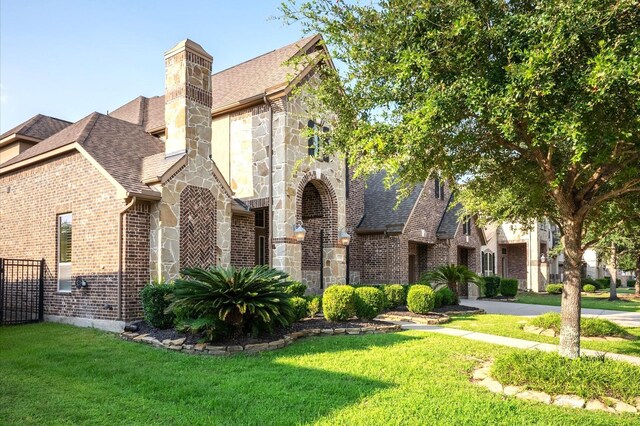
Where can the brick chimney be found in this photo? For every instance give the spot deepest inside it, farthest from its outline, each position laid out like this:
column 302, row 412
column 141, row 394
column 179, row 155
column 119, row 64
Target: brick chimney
column 187, row 100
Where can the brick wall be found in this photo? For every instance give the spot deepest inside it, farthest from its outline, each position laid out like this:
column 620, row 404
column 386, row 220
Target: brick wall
column 135, row 262
column 31, row 199
column 197, row 227
column 243, row 248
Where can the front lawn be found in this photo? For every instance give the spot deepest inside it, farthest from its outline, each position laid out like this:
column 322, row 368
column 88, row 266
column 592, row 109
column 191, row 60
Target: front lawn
column 592, row 301
column 511, row 326
column 56, row 374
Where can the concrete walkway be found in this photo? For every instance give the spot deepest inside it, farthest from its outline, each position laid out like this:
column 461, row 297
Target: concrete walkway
column 509, row 341
column 625, row 319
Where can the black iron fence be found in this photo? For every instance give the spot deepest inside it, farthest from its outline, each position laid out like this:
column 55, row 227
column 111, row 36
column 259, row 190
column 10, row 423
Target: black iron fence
column 21, row 291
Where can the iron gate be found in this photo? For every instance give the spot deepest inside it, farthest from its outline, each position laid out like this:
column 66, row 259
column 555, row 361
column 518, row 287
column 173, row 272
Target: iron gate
column 21, row 291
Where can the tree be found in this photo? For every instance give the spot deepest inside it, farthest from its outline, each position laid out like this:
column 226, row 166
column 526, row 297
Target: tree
column 530, row 108
column 453, row 276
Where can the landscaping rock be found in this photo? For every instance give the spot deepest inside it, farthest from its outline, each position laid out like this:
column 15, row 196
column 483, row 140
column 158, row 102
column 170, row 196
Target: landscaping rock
column 353, row 331
column 572, row 401
column 623, row 407
column 200, row 346
column 216, row 348
column 140, row 337
column 548, row 332
column 492, row 385
column 234, row 349
column 175, row 348
column 340, row 331
column 595, row 405
column 277, row 344
column 256, row 347
column 533, row 329
column 328, row 331
column 535, row 396
column 637, row 401
column 177, row 342
column 512, row 390
column 481, row 373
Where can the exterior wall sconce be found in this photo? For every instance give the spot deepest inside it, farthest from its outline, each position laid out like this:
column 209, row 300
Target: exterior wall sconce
column 543, row 258
column 299, row 232
column 344, row 238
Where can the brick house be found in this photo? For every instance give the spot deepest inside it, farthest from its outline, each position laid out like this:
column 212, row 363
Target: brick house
column 217, row 171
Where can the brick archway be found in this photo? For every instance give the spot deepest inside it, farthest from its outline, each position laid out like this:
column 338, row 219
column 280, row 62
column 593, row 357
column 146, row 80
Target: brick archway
column 197, row 228
column 317, row 212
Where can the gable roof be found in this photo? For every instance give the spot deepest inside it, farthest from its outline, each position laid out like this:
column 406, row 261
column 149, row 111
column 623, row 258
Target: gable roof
column 247, row 81
column 37, row 127
column 380, row 213
column 449, row 221
column 109, row 142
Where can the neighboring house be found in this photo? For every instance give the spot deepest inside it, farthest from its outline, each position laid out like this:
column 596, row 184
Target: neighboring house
column 515, row 251
column 595, row 267
column 218, row 171
column 27, row 134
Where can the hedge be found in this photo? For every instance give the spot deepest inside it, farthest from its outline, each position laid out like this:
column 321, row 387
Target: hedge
column 492, row 286
column 508, row 287
column 369, row 302
column 338, row 303
column 555, row 288
column 155, row 304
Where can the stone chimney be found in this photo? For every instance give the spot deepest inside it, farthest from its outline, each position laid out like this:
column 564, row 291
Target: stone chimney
column 187, row 100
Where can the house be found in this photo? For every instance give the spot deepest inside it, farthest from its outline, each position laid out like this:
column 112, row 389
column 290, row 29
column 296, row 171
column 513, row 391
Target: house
column 522, row 252
column 217, row 171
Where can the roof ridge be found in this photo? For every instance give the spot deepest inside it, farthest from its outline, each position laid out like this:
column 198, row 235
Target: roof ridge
column 30, row 123
column 86, row 131
column 265, row 54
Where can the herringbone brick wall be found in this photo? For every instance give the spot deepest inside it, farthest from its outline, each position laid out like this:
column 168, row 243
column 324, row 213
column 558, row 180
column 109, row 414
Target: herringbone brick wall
column 197, row 228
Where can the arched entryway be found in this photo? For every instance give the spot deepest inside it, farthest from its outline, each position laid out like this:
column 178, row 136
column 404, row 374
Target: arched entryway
column 317, row 213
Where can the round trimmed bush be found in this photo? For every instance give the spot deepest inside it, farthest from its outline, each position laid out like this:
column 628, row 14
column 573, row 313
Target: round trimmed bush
column 420, row 299
column 338, row 303
column 155, row 303
column 369, row 302
column 593, row 282
column 589, row 288
column 556, row 288
column 299, row 306
column 491, row 286
column 447, row 296
column 395, row 295
column 508, row 287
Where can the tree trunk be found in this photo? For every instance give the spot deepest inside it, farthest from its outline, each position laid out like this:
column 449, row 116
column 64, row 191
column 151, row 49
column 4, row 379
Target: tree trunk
column 638, row 276
column 613, row 271
column 570, row 305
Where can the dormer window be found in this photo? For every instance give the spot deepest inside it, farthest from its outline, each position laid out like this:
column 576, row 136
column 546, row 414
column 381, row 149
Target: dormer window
column 466, row 226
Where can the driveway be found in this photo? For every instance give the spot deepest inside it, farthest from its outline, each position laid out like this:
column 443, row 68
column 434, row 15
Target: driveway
column 625, row 319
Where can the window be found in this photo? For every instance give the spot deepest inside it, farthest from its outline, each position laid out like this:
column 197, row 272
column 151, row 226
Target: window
column 314, row 142
column 488, row 263
column 439, row 189
column 259, row 218
column 466, row 226
column 261, row 250
column 64, row 252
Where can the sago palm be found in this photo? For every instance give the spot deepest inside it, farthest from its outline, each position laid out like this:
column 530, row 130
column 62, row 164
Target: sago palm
column 453, row 276
column 246, row 299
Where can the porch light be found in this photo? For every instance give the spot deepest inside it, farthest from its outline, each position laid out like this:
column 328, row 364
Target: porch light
column 344, row 238
column 299, row 233
column 543, row 258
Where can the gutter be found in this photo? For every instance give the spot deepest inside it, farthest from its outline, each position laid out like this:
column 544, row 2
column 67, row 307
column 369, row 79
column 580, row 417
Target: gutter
column 120, row 217
column 270, row 133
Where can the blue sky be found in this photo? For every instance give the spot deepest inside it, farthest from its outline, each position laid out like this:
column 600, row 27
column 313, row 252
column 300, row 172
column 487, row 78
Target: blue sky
column 68, row 58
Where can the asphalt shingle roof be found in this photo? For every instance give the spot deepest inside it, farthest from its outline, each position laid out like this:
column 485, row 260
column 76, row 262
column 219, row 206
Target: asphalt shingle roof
column 39, row 126
column 449, row 222
column 380, row 213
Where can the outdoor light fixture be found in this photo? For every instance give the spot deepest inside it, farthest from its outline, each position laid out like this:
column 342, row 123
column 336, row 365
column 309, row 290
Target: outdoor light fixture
column 299, row 233
column 543, row 258
column 344, row 238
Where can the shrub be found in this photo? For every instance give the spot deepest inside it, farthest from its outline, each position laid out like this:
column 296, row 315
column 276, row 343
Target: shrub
column 338, row 303
column 296, row 288
column 369, row 302
column 603, row 283
column 437, row 299
column 155, row 304
column 299, row 306
column 314, row 305
column 589, row 327
column 555, row 288
column 491, row 286
column 591, row 281
column 395, row 295
column 588, row 377
column 618, row 282
column 631, row 283
column 448, row 296
column 589, row 288
column 454, row 276
column 420, row 299
column 508, row 287
column 242, row 300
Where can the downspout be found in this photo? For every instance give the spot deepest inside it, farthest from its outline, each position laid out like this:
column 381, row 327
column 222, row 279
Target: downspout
column 270, row 135
column 120, row 221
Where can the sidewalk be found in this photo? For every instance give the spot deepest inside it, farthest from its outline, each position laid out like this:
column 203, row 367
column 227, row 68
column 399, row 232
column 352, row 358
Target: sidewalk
column 509, row 341
column 625, row 319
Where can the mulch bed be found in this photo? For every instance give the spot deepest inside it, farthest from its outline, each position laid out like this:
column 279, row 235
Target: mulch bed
column 457, row 309
column 305, row 324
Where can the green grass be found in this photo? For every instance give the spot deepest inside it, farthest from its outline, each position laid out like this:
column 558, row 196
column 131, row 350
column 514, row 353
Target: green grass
column 511, row 326
column 588, row 377
column 56, row 374
column 589, row 327
column 591, row 301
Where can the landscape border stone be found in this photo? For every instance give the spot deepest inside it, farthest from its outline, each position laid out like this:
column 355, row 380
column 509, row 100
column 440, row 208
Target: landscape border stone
column 286, row 340
column 443, row 318
column 481, row 377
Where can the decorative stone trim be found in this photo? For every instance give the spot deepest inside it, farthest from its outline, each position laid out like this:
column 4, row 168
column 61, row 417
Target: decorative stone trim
column 442, row 318
column 476, row 312
column 481, row 377
column 206, row 349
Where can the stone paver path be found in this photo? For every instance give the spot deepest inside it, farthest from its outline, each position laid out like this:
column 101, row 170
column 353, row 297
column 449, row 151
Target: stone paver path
column 509, row 341
column 625, row 319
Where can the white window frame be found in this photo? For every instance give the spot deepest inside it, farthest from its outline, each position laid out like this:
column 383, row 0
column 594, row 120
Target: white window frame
column 65, row 269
